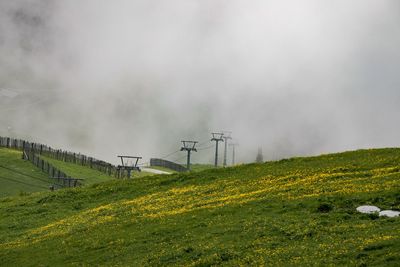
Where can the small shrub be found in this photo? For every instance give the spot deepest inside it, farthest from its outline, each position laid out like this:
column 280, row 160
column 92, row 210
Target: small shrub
column 226, row 256
column 77, row 205
column 188, row 249
column 376, row 247
column 373, row 216
column 325, row 207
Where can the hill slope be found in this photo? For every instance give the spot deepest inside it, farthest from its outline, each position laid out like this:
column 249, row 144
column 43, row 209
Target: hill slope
column 18, row 176
column 299, row 211
column 89, row 175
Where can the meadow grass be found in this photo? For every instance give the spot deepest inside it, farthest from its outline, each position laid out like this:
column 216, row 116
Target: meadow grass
column 18, row 176
column 201, row 167
column 197, row 167
column 299, row 211
column 162, row 169
column 90, row 175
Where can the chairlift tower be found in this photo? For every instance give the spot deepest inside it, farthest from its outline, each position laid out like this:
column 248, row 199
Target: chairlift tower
column 217, row 137
column 233, row 152
column 188, row 146
column 226, row 137
column 129, row 163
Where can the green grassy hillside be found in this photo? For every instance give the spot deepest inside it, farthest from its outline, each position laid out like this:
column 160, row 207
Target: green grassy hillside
column 194, row 168
column 298, row 211
column 18, row 176
column 89, row 175
column 201, row 167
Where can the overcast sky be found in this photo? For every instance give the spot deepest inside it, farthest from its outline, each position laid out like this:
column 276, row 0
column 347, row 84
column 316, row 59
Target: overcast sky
column 136, row 77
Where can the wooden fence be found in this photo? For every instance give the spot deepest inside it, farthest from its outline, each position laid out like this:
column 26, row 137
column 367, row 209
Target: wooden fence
column 66, row 156
column 43, row 165
column 60, row 177
column 32, row 152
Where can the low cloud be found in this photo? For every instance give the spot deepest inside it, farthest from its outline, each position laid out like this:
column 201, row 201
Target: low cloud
column 136, row 77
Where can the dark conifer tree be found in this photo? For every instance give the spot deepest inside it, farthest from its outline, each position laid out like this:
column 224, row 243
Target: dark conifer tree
column 259, row 158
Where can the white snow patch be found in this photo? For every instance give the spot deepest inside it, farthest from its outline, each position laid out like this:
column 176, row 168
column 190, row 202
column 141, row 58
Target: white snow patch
column 389, row 213
column 368, row 209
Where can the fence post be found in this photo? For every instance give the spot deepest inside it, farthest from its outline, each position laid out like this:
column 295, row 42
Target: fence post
column 23, row 150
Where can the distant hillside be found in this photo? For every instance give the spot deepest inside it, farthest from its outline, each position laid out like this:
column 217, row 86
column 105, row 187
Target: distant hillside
column 18, row 176
column 89, row 175
column 299, row 211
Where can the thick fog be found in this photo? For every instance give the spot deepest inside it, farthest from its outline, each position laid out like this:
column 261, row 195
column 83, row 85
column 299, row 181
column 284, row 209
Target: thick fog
column 136, row 77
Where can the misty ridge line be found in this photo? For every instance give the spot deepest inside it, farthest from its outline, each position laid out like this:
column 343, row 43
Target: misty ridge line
column 135, row 77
